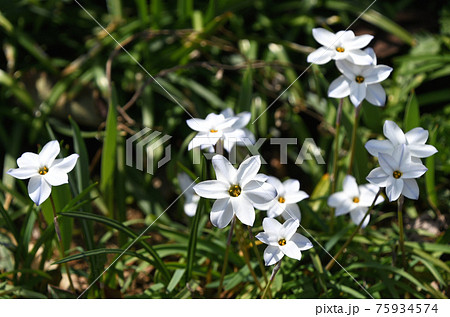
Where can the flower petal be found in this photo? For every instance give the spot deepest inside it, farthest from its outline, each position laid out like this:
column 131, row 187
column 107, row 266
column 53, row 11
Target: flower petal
column 339, row 88
column 320, row 56
column 272, row 255
column 221, row 213
column 197, row 124
column 55, row 178
column 376, row 95
column 275, row 210
column 291, row 250
column 23, row 173
column 337, row 199
column 412, row 170
column 212, row 189
column 359, row 57
column 388, row 163
column 289, row 228
column 421, row 150
column 379, row 146
column 378, row 177
column 350, row 186
column 243, row 120
column 323, row 36
column 357, row 93
column 410, row 189
column 372, row 54
column 259, row 193
column 291, row 185
column 225, row 172
column 190, row 207
column 248, row 170
column 357, row 216
column 301, row 242
column 28, row 159
column 267, row 238
column 65, row 165
column 348, row 69
column 275, row 182
column 367, row 195
column 417, row 136
column 377, row 74
column 344, row 208
column 244, row 210
column 48, row 153
column 392, row 131
column 38, row 189
column 394, row 188
column 359, row 42
column 272, row 226
column 291, row 211
column 291, row 198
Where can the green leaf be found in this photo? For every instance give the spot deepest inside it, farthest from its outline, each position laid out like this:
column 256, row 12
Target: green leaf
column 412, row 114
column 176, row 278
column 102, row 251
column 192, row 244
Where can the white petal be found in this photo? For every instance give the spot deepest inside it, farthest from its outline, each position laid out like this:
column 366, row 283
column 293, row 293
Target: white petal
column 412, row 170
column 377, row 74
column 190, row 208
column 371, row 53
column 323, row 36
column 259, row 193
column 244, row 119
column 348, row 69
column 244, row 210
column 291, row 185
column 225, row 172
column 267, row 238
column 275, row 182
column 221, row 213
column 212, row 189
column 291, row 211
column 359, row 42
column 272, row 226
column 248, row 170
column 337, row 199
column 358, row 214
column 227, row 123
column 378, row 177
column 394, row 188
column 272, row 255
column 387, row 163
column 65, row 165
column 357, row 93
column 29, row 159
column 275, row 210
column 344, row 208
column 392, row 131
column 38, row 190
column 186, row 183
column 55, row 178
column 421, row 150
column 289, row 228
column 227, row 113
column 301, row 242
column 410, row 189
column 359, row 57
column 367, row 195
column 320, row 56
column 48, row 153
column 415, row 136
column 379, row 146
column 350, row 186
column 291, row 198
column 376, row 95
column 23, row 173
column 339, row 88
column 197, row 124
column 291, row 250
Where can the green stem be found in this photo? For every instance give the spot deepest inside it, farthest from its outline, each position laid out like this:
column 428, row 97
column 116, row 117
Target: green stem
column 400, row 202
column 333, row 260
column 272, row 277
column 335, row 157
column 352, row 147
column 225, row 259
column 258, row 255
column 61, row 245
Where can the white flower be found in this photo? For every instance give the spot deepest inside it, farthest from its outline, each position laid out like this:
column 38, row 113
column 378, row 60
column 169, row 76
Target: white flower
column 360, row 82
column 282, row 240
column 285, row 204
column 224, row 126
column 191, row 198
column 236, row 191
column 414, row 140
column 43, row 170
column 340, row 46
column 355, row 200
column 397, row 173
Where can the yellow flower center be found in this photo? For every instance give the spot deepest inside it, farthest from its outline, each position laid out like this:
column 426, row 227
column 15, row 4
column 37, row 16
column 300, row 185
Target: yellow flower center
column 43, row 170
column 282, row 242
column 397, row 174
column 281, row 200
column 356, row 200
column 340, row 49
column 234, row 191
column 359, row 79
column 213, row 131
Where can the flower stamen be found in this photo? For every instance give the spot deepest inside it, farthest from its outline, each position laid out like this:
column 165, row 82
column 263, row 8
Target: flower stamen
column 356, row 200
column 234, row 191
column 43, row 170
column 340, row 49
column 281, row 200
column 359, row 79
column 397, row 174
column 213, row 130
column 282, row 242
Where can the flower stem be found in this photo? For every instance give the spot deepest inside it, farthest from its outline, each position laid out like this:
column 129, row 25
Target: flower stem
column 257, row 254
column 225, row 258
column 335, row 157
column 61, row 246
column 272, row 277
column 400, row 202
column 352, row 147
column 333, row 260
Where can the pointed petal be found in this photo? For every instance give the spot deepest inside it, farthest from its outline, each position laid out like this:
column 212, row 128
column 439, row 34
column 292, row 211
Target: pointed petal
column 392, row 131
column 410, row 189
column 38, row 190
column 344, row 208
column 212, row 189
column 357, row 216
column 359, row 42
column 259, row 193
column 289, row 228
column 267, row 238
column 291, row 198
column 357, row 93
column 291, row 211
column 225, row 172
column 248, row 170
column 301, row 242
column 197, row 124
column 320, row 56
column 65, row 165
column 421, row 150
column 272, row 226
column 377, row 74
column 48, row 153
column 376, row 95
column 275, row 210
column 221, row 213
column 359, row 57
column 350, row 186
column 243, row 120
column 323, row 36
column 339, row 88
column 417, row 136
column 291, row 250
column 28, row 159
column 190, row 208
column 387, row 163
column 23, row 173
column 275, row 182
column 291, row 185
column 244, row 210
column 55, row 178
column 349, row 70
column 367, row 195
column 378, row 177
column 337, row 199
column 394, row 188
column 372, row 54
column 272, row 255
column 345, row 36
column 412, row 170
column 379, row 146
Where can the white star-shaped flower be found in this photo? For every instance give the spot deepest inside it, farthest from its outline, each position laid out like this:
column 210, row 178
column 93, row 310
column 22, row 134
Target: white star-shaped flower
column 397, row 173
column 414, row 140
column 355, row 200
column 224, row 126
column 236, row 190
column 360, row 82
column 191, row 198
column 285, row 204
column 282, row 239
column 343, row 45
column 43, row 170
